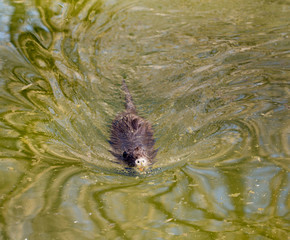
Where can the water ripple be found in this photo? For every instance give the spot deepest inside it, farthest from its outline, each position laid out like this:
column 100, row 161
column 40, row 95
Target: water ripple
column 211, row 77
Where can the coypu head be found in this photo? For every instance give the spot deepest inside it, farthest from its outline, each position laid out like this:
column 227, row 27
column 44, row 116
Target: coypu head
column 136, row 158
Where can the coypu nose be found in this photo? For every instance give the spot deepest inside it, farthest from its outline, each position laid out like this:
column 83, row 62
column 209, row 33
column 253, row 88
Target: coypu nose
column 141, row 163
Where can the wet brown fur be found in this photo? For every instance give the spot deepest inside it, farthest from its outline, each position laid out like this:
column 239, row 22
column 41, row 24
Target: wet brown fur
column 131, row 135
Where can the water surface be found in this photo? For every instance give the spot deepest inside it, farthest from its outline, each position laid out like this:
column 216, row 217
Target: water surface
column 211, row 76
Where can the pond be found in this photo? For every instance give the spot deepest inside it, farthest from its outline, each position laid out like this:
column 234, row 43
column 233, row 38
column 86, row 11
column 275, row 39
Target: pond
column 212, row 77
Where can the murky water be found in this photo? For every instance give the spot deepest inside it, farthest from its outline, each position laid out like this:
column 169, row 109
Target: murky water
column 213, row 78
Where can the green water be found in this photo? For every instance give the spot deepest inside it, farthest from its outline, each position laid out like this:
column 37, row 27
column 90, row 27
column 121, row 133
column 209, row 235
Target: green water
column 212, row 76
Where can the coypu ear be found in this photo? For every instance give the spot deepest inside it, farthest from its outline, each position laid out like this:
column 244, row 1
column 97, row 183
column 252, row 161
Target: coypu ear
column 125, row 154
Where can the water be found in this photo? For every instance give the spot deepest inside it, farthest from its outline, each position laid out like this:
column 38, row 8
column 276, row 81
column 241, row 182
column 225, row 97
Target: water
column 211, row 76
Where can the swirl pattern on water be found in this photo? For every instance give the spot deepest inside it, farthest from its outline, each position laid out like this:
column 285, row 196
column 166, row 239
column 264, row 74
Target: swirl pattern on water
column 212, row 77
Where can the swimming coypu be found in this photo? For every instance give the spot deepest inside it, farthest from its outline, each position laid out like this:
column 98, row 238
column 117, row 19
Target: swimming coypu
column 132, row 137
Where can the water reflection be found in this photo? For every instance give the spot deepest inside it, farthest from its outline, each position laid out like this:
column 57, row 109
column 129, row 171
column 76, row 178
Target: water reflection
column 212, row 77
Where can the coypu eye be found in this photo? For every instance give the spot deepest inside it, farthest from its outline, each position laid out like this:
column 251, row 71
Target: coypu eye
column 138, row 161
column 125, row 154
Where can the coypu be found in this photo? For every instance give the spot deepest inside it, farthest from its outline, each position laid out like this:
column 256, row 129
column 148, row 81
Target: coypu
column 132, row 138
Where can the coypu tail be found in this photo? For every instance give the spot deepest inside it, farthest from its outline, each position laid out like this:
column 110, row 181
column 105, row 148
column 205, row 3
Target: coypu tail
column 130, row 107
